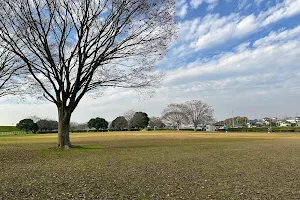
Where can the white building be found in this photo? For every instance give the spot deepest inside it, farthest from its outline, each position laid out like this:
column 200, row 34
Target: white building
column 210, row 128
column 284, row 124
column 292, row 121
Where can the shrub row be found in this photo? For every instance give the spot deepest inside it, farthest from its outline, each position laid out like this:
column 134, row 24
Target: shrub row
column 257, row 129
column 265, row 129
column 83, row 130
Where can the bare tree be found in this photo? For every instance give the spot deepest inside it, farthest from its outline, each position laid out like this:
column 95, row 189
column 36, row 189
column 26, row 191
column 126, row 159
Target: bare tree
column 74, row 126
column 156, row 121
column 74, row 47
column 174, row 116
column 8, row 68
column 34, row 118
column 198, row 113
column 129, row 116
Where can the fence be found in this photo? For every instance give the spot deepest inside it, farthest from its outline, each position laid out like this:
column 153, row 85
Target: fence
column 13, row 133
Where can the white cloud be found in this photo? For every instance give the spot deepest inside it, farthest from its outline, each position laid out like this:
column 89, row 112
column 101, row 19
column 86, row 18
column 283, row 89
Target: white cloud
column 196, row 3
column 242, row 47
column 246, row 26
column 211, row 3
column 262, row 58
column 13, row 113
column 214, row 30
column 243, row 4
column 279, row 37
column 182, row 11
column 284, row 10
column 276, row 58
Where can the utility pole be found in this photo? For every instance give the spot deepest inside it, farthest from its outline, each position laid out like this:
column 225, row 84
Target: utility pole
column 232, row 120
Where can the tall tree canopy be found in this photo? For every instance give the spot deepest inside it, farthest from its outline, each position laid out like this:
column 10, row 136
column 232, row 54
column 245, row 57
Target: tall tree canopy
column 120, row 123
column 28, row 125
column 72, row 47
column 47, row 124
column 98, row 123
column 140, row 120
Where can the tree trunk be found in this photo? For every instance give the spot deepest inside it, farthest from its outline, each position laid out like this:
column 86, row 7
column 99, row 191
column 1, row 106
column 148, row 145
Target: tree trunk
column 64, row 128
column 195, row 128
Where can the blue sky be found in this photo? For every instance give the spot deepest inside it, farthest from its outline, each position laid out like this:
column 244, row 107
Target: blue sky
column 240, row 56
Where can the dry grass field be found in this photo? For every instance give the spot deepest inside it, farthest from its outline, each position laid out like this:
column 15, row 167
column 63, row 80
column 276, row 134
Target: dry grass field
column 151, row 165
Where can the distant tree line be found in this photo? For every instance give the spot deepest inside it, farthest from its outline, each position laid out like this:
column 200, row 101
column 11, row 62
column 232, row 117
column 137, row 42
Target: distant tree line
column 195, row 113
column 35, row 124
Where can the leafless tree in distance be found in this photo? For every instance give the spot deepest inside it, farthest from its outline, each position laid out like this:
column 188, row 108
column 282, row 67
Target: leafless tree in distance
column 156, row 121
column 129, row 116
column 34, row 118
column 174, row 116
column 74, row 47
column 198, row 113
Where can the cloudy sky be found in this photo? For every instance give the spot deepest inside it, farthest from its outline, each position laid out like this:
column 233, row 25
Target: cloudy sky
column 242, row 57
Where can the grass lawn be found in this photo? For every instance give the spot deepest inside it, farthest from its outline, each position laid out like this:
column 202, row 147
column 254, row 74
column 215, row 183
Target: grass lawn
column 151, row 165
column 8, row 129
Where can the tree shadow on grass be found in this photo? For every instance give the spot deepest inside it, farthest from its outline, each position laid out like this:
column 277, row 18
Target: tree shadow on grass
column 89, row 147
column 77, row 148
column 73, row 148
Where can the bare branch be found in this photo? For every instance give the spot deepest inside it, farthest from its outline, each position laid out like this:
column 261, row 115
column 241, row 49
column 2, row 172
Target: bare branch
column 9, row 68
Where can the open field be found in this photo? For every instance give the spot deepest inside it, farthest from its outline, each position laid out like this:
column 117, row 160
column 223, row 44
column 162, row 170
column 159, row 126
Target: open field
column 151, row 165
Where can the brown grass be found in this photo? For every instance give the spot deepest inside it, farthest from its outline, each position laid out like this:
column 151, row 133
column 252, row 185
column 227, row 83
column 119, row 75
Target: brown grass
column 151, row 165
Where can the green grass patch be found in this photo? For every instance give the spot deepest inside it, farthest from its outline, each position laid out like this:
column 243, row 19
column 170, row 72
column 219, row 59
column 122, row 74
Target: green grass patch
column 9, row 129
column 152, row 165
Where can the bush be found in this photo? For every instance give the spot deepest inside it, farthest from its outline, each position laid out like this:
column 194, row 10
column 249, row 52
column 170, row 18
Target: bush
column 181, row 129
column 265, row 129
column 133, row 129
